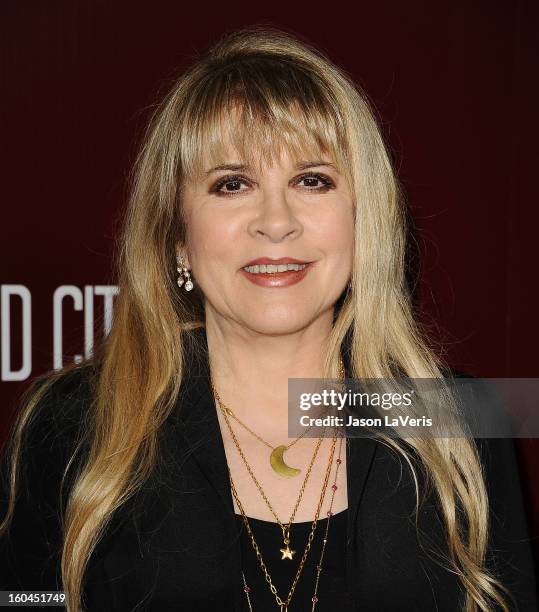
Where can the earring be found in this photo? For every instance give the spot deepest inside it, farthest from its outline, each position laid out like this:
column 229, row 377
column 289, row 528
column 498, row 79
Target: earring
column 185, row 272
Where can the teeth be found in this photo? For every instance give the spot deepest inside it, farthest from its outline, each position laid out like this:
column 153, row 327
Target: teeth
column 271, row 268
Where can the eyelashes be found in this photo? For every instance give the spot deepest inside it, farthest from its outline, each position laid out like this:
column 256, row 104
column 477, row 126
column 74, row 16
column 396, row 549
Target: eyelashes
column 238, row 179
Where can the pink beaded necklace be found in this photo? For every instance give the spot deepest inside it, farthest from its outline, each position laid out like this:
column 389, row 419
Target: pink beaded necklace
column 314, row 599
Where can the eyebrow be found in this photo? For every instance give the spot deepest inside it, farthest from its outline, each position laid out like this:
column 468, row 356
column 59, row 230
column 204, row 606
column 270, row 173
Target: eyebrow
column 304, row 165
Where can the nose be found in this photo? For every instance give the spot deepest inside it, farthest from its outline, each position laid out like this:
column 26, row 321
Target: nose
column 275, row 218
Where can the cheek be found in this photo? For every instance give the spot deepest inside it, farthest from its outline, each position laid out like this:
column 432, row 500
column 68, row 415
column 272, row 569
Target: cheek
column 210, row 239
column 336, row 236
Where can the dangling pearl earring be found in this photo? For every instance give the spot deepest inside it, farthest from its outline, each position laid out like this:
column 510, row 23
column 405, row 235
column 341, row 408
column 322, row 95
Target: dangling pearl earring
column 185, row 272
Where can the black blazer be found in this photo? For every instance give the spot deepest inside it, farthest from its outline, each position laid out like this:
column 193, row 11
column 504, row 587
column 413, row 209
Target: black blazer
column 175, row 545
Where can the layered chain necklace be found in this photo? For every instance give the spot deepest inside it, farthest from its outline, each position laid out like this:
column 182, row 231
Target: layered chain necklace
column 276, row 457
column 283, row 605
column 278, row 465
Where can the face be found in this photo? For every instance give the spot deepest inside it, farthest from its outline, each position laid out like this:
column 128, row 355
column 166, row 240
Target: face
column 270, row 246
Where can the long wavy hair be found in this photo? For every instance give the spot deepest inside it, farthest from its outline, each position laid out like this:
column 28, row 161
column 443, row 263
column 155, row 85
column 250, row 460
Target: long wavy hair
column 288, row 94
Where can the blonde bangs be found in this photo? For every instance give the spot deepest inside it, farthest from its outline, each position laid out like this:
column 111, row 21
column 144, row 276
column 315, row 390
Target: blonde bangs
column 260, row 114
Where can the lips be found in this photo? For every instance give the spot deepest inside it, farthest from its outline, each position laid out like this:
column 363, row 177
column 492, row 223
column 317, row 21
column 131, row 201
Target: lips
column 269, row 260
column 264, row 271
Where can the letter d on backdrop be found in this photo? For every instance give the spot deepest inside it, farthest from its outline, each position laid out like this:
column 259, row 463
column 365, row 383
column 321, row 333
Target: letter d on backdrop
column 26, row 368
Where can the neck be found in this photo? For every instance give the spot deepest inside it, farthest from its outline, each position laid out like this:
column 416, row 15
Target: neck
column 250, row 370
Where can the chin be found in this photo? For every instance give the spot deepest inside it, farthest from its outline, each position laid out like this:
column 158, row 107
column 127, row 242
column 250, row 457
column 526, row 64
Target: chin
column 275, row 325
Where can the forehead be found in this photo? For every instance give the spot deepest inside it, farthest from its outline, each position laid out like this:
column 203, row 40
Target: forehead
column 231, row 159
column 245, row 138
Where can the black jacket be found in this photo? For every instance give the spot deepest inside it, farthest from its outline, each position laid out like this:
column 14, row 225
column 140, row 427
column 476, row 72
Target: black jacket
column 175, row 545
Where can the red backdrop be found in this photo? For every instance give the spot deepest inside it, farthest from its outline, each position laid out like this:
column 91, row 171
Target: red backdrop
column 455, row 86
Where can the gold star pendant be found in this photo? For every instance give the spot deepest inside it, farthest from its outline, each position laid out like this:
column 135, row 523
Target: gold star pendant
column 288, row 553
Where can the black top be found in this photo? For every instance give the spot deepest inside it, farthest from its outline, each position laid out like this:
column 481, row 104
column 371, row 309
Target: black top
column 176, row 545
column 268, row 537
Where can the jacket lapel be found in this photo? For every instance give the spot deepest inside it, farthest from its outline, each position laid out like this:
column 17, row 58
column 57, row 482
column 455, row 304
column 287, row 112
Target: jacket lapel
column 201, row 430
column 359, row 459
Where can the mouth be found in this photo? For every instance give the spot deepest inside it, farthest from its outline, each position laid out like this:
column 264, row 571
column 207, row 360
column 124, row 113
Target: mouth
column 270, row 266
column 266, row 272
column 274, row 268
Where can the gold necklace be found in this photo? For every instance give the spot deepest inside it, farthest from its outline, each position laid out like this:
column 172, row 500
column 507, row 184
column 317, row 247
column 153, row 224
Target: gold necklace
column 319, row 567
column 284, row 604
column 277, row 461
column 287, row 552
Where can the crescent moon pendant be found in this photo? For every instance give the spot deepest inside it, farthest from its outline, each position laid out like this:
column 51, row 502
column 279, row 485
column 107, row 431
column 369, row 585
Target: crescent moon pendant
column 278, row 464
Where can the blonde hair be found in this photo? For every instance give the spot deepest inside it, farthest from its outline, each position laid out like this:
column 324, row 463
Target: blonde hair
column 288, row 95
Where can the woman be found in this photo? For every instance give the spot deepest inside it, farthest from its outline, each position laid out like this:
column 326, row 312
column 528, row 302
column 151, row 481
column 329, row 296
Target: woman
column 264, row 241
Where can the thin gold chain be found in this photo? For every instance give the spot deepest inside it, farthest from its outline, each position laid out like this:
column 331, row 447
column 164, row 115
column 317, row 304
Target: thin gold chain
column 314, row 598
column 273, row 589
column 284, row 526
column 287, row 446
column 247, row 428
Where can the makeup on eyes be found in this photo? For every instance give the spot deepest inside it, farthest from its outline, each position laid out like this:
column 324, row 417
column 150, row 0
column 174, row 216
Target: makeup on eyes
column 327, row 182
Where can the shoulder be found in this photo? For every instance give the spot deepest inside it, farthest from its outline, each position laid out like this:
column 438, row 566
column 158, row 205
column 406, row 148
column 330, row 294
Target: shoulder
column 509, row 554
column 63, row 400
column 45, row 446
column 51, row 430
column 62, row 389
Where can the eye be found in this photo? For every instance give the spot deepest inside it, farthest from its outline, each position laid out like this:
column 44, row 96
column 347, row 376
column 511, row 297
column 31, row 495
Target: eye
column 315, row 182
column 229, row 185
